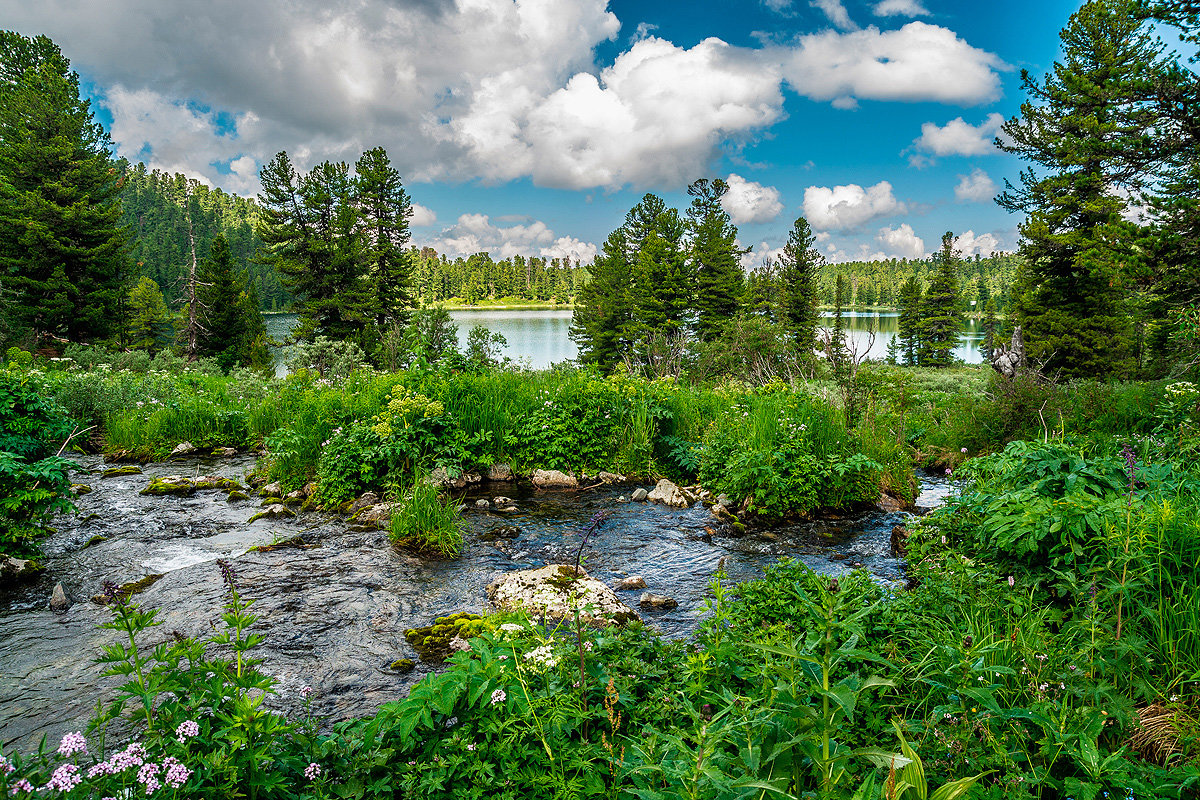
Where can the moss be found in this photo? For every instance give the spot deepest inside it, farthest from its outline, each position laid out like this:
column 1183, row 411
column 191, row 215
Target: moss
column 295, row 542
column 432, row 642
column 114, row 472
column 271, row 513
column 236, row 496
column 403, row 665
column 80, row 489
column 127, row 590
column 163, row 486
column 97, row 539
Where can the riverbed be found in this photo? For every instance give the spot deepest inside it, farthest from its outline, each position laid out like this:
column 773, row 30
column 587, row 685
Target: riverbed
column 333, row 613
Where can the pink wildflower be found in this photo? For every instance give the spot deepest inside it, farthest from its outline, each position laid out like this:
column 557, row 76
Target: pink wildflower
column 186, row 730
column 6, row 765
column 498, row 696
column 312, row 771
column 177, row 773
column 72, row 743
column 306, row 692
column 22, row 786
column 64, row 779
column 471, row 747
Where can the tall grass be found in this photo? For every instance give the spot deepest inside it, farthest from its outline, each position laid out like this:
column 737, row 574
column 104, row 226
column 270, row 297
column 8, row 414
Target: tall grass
column 428, row 521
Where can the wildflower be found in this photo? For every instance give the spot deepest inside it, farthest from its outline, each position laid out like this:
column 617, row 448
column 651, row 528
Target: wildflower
column 498, row 696
column 5, row 765
column 471, row 747
column 22, row 786
column 587, row 646
column 1011, row 581
column 450, row 723
column 147, row 774
column 947, row 470
column 64, row 779
column 312, row 771
column 177, row 773
column 186, row 730
column 963, row 451
column 306, row 692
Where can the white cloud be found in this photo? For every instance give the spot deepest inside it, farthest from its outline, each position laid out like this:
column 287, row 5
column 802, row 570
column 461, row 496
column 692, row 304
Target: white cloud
column 836, row 12
column 778, row 6
column 978, row 187
column 959, row 138
column 918, row 62
column 491, row 90
column 902, row 241
column 756, row 256
column 476, row 233
column 901, row 8
column 750, row 202
column 969, row 243
column 421, row 216
column 846, row 207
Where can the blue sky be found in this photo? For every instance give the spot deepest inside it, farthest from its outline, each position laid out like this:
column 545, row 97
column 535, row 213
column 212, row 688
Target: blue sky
column 533, row 126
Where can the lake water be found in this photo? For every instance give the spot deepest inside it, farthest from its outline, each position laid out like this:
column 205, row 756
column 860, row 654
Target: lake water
column 537, row 339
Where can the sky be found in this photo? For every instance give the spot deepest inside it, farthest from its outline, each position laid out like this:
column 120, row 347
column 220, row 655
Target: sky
column 533, row 126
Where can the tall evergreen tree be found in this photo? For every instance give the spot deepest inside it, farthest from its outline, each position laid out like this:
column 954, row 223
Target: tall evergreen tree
column 716, row 258
column 384, row 207
column 799, row 271
column 1090, row 132
column 909, row 323
column 148, row 322
column 62, row 247
column 942, row 322
column 603, row 313
column 231, row 327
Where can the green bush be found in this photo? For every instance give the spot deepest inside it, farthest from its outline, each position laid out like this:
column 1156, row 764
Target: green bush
column 428, row 521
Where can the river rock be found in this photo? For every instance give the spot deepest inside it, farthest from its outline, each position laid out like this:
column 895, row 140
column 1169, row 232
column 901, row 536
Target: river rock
column 639, row 494
column 472, row 478
column 276, row 511
column 271, row 490
column 899, row 541
column 500, row 473
column 60, row 601
column 723, row 514
column 556, row 591
column 309, row 489
column 216, row 482
column 116, row 472
column 553, row 479
column 888, row 504
column 656, row 602
column 724, row 500
column 183, row 450
column 630, row 583
column 294, row 498
column 365, row 501
column 379, row 514
column 669, row 494
column 236, row 497
column 612, row 478
column 439, row 476
column 170, row 484
column 224, row 452
column 458, row 644
column 16, row 569
column 482, row 503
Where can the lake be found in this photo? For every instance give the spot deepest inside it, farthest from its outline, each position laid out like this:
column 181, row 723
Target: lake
column 537, row 339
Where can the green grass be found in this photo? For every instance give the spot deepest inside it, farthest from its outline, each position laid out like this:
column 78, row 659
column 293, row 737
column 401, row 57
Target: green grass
column 428, row 521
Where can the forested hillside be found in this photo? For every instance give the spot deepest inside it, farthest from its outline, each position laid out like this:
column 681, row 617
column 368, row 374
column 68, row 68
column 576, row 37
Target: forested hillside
column 156, row 207
column 878, row 283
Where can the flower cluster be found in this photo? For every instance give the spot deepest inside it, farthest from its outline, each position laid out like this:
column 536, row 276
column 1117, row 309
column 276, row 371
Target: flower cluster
column 312, row 771
column 499, row 696
column 543, row 656
column 176, row 773
column 72, row 743
column 186, row 730
column 64, row 779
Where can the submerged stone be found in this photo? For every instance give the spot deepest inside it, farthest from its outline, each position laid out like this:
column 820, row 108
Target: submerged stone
column 114, row 472
column 435, row 643
column 126, row 590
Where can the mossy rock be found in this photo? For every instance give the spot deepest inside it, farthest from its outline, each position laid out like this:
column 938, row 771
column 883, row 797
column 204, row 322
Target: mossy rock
column 216, row 482
column 403, row 665
column 236, row 496
column 276, row 511
column 170, row 485
column 116, row 472
column 80, row 489
column 432, row 642
column 127, row 590
column 296, row 542
column 95, row 540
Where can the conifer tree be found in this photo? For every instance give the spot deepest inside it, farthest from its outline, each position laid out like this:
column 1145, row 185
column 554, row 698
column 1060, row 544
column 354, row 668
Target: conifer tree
column 1089, row 130
column 909, row 323
column 148, row 321
column 603, row 314
column 231, row 326
column 941, row 320
column 715, row 256
column 62, row 256
column 799, row 271
column 384, row 207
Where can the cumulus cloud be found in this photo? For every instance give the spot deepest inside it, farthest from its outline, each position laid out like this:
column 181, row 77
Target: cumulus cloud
column 969, row 243
column 476, row 233
column 902, row 242
column 978, row 187
column 421, row 216
column 749, row 201
column 901, row 8
column 918, row 62
column 836, row 12
column 959, row 138
column 755, row 257
column 490, row 90
column 847, row 207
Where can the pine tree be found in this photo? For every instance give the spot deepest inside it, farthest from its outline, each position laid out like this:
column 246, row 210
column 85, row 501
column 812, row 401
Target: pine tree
column 716, row 258
column 148, row 322
column 603, row 314
column 1091, row 135
column 231, row 326
column 384, row 207
column 799, row 271
column 941, row 323
column 909, row 323
column 62, row 247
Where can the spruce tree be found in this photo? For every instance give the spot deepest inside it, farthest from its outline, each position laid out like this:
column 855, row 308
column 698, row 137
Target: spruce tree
column 909, row 323
column 716, row 258
column 148, row 322
column 62, row 247
column 941, row 320
column 799, row 269
column 1089, row 130
column 231, row 327
column 600, row 323
column 384, row 207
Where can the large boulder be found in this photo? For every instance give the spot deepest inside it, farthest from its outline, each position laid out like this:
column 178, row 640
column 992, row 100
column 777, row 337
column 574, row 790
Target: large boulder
column 16, row 569
column 500, row 473
column 669, row 494
column 553, row 479
column 556, row 591
column 440, row 477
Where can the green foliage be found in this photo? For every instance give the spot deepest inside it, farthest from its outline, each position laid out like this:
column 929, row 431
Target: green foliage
column 427, row 521
column 571, row 427
column 149, row 322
